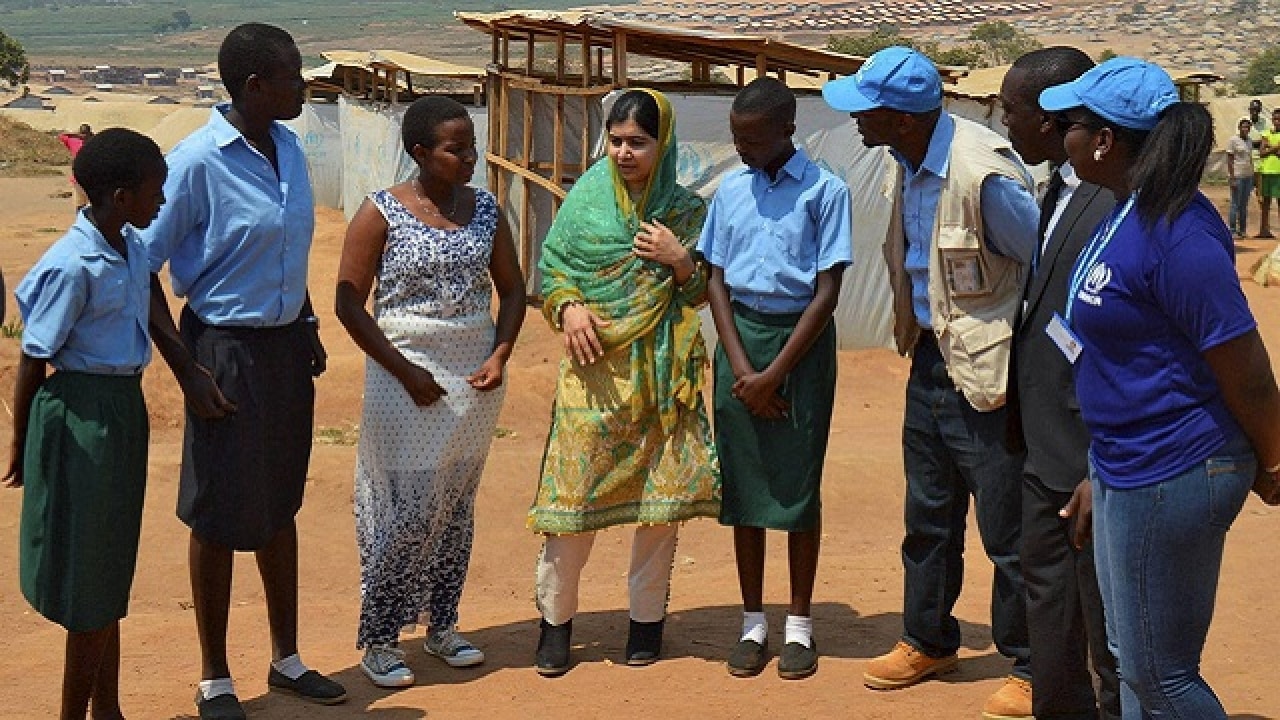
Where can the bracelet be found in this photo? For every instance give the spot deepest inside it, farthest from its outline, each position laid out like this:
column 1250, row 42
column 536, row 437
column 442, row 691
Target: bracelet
column 563, row 306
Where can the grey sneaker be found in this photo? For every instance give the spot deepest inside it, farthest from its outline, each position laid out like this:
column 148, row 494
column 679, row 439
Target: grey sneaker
column 384, row 665
column 452, row 648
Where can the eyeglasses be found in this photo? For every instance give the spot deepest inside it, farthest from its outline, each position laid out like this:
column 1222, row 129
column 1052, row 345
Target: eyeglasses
column 1066, row 124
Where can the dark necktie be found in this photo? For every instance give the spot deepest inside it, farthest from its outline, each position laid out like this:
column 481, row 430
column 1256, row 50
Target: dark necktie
column 1047, row 206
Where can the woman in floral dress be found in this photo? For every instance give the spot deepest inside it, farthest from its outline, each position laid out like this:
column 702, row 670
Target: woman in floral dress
column 433, row 383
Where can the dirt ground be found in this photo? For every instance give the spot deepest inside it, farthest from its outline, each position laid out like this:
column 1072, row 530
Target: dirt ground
column 858, row 599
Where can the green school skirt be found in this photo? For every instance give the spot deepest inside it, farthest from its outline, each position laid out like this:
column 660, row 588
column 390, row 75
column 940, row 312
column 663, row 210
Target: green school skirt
column 84, row 473
column 772, row 469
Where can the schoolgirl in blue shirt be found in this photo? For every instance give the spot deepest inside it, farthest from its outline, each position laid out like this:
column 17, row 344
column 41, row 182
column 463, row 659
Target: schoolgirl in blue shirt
column 778, row 237
column 80, row 435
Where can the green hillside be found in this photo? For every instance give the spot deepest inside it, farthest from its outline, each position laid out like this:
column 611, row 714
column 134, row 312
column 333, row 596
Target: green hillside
column 157, row 31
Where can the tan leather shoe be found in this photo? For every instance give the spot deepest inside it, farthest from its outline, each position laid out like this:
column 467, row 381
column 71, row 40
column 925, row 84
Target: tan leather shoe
column 1011, row 702
column 904, row 666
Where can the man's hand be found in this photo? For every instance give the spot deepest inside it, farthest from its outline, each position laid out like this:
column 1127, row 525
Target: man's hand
column 1079, row 511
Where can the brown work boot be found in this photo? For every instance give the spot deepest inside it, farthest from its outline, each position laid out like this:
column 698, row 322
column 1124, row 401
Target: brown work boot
column 904, row 666
column 1011, row 702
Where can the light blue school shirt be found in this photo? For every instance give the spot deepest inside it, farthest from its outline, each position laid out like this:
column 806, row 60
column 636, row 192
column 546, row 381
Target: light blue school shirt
column 236, row 235
column 771, row 237
column 84, row 307
column 1009, row 213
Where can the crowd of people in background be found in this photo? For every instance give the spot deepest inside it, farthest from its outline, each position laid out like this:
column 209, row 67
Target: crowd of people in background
column 1084, row 372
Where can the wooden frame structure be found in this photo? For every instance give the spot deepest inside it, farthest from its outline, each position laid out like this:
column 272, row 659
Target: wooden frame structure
column 574, row 59
column 387, row 75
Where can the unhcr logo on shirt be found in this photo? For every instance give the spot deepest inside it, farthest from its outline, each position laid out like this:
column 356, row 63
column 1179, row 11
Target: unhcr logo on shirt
column 1097, row 279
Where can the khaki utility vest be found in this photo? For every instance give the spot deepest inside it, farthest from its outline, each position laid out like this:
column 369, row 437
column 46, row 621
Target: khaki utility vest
column 973, row 292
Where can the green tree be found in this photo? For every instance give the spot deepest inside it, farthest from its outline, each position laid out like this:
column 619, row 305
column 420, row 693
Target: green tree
column 1106, row 54
column 870, row 43
column 1001, row 42
column 1259, row 76
column 13, row 61
column 181, row 19
column 966, row 55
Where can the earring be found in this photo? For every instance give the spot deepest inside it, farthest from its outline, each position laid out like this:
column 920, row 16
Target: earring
column 1097, row 155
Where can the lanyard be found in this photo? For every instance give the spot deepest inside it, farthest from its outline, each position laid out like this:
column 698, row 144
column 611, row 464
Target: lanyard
column 1089, row 258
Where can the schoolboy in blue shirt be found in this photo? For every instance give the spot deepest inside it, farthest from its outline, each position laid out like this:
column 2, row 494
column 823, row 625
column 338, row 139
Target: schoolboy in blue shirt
column 778, row 237
column 80, row 435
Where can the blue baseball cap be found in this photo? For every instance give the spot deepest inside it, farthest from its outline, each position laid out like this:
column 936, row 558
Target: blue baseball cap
column 897, row 78
column 1124, row 90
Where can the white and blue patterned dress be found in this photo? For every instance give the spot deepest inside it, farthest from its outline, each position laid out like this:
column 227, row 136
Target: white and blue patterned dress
column 417, row 468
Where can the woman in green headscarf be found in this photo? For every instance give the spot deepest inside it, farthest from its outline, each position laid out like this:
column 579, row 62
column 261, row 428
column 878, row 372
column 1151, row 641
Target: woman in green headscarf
column 629, row 438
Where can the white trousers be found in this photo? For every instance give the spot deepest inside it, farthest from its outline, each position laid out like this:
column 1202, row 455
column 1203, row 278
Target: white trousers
column 563, row 556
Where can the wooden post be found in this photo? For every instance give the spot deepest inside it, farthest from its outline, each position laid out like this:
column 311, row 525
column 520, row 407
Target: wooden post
column 586, row 58
column 495, row 51
column 506, row 49
column 742, row 76
column 557, row 144
column 762, row 65
column 530, row 50
column 526, row 161
column 620, row 58
column 600, row 62
column 408, row 84
column 560, row 57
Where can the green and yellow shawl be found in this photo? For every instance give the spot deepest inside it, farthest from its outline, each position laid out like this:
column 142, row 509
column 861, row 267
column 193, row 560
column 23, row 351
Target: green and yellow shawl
column 588, row 256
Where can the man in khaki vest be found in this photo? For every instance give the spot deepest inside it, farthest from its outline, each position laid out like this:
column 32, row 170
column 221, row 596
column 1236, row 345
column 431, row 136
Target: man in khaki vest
column 962, row 229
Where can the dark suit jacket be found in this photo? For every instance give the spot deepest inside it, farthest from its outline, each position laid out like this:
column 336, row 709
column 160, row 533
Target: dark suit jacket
column 1044, row 409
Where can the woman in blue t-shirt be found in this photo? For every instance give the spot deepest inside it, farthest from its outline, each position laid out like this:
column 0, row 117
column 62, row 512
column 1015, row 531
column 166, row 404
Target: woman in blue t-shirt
column 1172, row 377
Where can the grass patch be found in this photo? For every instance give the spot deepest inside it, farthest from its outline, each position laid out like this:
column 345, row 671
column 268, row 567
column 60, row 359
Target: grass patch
column 12, row 329
column 348, row 435
column 25, row 151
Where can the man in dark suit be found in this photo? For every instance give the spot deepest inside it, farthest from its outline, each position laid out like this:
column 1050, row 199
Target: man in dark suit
column 1064, row 608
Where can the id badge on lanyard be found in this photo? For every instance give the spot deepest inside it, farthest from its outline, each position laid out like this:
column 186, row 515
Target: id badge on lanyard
column 1059, row 328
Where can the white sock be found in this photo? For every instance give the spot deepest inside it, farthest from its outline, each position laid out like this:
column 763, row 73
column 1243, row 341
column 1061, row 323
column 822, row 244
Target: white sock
column 799, row 629
column 755, row 627
column 218, row 686
column 290, row 667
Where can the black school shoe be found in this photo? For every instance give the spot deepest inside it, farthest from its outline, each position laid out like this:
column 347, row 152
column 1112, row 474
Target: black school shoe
column 748, row 658
column 552, row 658
column 311, row 685
column 644, row 642
column 797, row 661
column 219, row 707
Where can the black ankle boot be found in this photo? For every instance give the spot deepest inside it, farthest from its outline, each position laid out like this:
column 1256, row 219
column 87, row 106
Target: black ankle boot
column 644, row 642
column 552, row 659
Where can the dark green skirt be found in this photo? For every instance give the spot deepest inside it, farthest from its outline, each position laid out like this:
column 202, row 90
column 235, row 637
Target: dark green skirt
column 84, row 473
column 772, row 469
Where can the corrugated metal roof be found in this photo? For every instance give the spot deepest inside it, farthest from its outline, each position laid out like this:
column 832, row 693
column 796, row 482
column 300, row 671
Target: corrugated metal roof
column 409, row 62
column 672, row 42
column 983, row 84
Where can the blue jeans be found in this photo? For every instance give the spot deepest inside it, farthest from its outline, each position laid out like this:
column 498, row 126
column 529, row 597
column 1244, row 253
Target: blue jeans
column 1159, row 551
column 951, row 452
column 1241, row 195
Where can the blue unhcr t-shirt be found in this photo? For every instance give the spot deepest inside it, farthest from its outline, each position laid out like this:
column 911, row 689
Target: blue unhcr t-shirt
column 1169, row 292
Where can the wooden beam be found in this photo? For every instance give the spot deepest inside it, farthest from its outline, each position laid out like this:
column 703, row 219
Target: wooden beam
column 527, row 175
